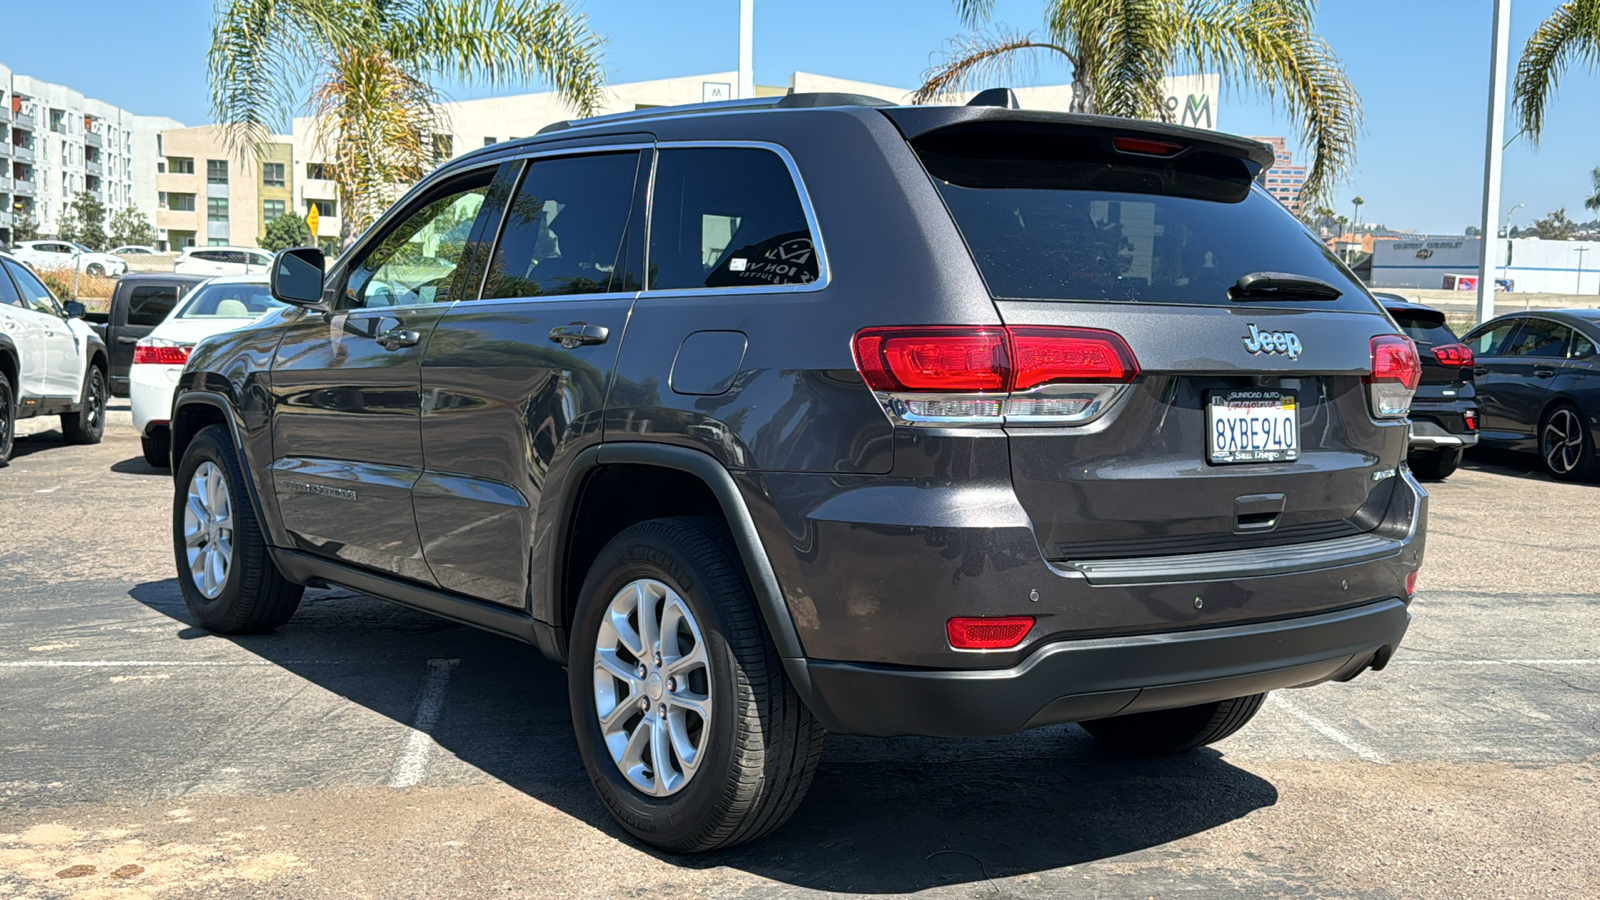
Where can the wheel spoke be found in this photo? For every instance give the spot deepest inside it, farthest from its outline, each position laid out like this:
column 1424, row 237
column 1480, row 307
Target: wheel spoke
column 698, row 704
column 694, row 659
column 607, row 661
column 688, row 754
column 649, row 625
column 626, row 636
column 661, row 756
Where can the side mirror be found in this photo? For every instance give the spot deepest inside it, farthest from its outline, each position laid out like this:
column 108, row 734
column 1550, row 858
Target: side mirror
column 74, row 309
column 297, row 276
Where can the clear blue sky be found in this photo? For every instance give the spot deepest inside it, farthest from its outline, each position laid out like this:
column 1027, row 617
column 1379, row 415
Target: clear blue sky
column 1420, row 65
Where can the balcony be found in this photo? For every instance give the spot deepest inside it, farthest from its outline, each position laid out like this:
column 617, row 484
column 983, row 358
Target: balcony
column 5, row 181
column 21, row 153
column 6, row 219
column 22, row 188
column 23, row 120
column 93, row 139
column 94, row 168
column 5, row 114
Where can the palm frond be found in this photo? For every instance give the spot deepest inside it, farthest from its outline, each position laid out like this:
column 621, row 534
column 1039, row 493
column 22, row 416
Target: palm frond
column 974, row 12
column 261, row 51
column 499, row 42
column 375, row 121
column 1268, row 47
column 1572, row 33
column 980, row 60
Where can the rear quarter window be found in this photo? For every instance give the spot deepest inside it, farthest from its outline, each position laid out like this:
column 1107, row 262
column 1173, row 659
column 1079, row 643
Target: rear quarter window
column 1425, row 329
column 1053, row 216
column 149, row 305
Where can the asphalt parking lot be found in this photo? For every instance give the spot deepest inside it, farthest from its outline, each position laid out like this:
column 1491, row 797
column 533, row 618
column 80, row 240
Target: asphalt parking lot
column 366, row 750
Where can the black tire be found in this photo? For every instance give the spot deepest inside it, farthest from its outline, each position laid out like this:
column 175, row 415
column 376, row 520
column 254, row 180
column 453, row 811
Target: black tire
column 1566, row 444
column 1435, row 465
column 157, row 449
column 255, row 596
column 94, row 269
column 88, row 424
column 8, row 419
column 1168, row 731
column 763, row 745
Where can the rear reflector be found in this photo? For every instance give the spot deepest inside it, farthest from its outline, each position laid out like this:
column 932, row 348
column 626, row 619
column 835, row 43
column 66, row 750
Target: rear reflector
column 163, row 354
column 1470, row 417
column 1146, row 146
column 1396, row 370
column 1453, row 354
column 1411, row 582
column 1001, row 633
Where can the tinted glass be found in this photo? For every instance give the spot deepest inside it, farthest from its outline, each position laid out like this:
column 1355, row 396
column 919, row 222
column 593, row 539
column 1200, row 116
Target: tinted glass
column 564, row 231
column 1052, row 216
column 229, row 301
column 1581, row 346
column 1424, row 329
column 150, row 305
column 416, row 260
column 1490, row 341
column 728, row 217
column 1539, row 339
column 8, row 292
column 35, row 295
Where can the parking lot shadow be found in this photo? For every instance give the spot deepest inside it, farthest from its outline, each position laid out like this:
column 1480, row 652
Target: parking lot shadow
column 1508, row 463
column 883, row 816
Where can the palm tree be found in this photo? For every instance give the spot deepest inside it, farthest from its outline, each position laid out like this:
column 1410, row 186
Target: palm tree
column 1594, row 199
column 1571, row 33
column 365, row 70
column 1120, row 50
column 1357, row 203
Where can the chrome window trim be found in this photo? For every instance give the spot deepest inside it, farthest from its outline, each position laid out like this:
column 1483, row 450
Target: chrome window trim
column 824, row 270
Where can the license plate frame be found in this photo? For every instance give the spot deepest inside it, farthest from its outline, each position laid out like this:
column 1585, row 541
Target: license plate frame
column 1237, row 412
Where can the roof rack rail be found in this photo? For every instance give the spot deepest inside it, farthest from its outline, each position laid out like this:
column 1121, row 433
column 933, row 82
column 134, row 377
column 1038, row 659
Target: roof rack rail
column 780, row 101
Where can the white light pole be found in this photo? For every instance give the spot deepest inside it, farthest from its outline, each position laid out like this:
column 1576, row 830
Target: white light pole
column 1505, row 265
column 747, row 31
column 1494, row 154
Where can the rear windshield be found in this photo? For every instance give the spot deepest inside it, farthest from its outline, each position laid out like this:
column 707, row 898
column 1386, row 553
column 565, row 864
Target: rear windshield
column 1424, row 328
column 1065, row 217
column 229, row 301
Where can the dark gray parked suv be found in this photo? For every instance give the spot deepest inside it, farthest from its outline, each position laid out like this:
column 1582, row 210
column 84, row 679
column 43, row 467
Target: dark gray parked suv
column 815, row 414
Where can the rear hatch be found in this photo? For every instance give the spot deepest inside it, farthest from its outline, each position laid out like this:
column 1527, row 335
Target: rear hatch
column 1446, row 362
column 1247, row 419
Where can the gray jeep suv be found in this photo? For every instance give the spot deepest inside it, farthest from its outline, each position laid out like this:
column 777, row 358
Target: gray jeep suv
column 814, row 414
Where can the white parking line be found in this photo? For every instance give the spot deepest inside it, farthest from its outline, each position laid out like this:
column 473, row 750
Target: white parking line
column 1475, row 663
column 1328, row 731
column 413, row 761
column 159, row 663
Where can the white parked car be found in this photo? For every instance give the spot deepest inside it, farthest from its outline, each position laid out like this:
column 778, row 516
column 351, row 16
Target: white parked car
column 223, row 261
column 133, row 250
column 51, row 361
column 212, row 307
column 66, row 254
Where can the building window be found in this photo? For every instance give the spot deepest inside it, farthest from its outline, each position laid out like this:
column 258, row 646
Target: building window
column 272, row 174
column 216, row 242
column 326, row 209
column 319, row 171
column 489, row 142
column 272, row 209
column 216, row 209
column 216, row 171
column 161, row 199
column 180, row 165
column 180, row 202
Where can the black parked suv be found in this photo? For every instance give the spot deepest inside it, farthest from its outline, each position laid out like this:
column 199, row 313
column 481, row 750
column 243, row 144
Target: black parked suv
column 1444, row 412
column 815, row 414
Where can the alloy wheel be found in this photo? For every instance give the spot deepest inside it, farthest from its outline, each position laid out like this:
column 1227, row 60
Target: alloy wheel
column 208, row 529
column 1563, row 441
column 95, row 414
column 652, row 687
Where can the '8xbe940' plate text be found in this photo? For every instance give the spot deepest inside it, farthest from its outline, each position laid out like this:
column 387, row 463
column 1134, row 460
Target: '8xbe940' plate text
column 1252, row 426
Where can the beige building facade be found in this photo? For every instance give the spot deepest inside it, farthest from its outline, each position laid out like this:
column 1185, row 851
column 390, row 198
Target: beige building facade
column 210, row 194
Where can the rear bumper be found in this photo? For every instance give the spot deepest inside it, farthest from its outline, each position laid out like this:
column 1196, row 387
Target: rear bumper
column 1070, row 681
column 1436, row 424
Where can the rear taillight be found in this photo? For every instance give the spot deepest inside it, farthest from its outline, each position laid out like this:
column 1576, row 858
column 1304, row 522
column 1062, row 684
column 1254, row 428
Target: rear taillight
column 157, row 352
column 1470, row 417
column 993, row 633
column 993, row 374
column 1453, row 354
column 1395, row 373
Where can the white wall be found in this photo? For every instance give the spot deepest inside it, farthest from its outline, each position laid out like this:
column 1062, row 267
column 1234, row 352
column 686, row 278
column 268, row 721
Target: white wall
column 1536, row 266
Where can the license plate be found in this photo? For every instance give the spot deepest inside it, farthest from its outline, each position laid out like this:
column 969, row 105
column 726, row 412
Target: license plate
column 1252, row 426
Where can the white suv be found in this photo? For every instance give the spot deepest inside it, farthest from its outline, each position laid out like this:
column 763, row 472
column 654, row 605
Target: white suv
column 66, row 254
column 223, row 261
column 51, row 361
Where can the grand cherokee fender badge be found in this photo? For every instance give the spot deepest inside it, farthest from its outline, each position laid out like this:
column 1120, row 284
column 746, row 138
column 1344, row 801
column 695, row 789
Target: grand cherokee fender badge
column 1284, row 342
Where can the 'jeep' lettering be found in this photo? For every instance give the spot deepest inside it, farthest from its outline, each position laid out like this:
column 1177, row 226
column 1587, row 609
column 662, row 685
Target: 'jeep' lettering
column 1286, row 343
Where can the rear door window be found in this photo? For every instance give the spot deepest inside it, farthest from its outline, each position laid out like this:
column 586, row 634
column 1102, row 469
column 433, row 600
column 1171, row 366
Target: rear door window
column 149, row 304
column 728, row 217
column 566, row 229
column 1424, row 329
column 1539, row 339
column 1492, row 341
column 1054, row 216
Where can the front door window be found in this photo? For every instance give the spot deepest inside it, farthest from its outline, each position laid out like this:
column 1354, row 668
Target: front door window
column 416, row 262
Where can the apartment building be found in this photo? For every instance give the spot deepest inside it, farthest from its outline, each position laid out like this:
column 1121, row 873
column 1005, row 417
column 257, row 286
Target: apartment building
column 1284, row 180
column 212, row 194
column 55, row 143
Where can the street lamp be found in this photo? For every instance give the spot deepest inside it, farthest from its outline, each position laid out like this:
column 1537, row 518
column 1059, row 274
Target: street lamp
column 1494, row 150
column 1505, row 267
column 1509, row 213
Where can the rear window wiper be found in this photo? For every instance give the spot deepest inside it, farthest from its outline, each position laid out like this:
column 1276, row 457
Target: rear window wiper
column 1282, row 286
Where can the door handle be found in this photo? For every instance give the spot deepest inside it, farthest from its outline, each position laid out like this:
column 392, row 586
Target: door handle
column 1542, row 372
column 124, row 339
column 1480, row 370
column 577, row 334
column 397, row 337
